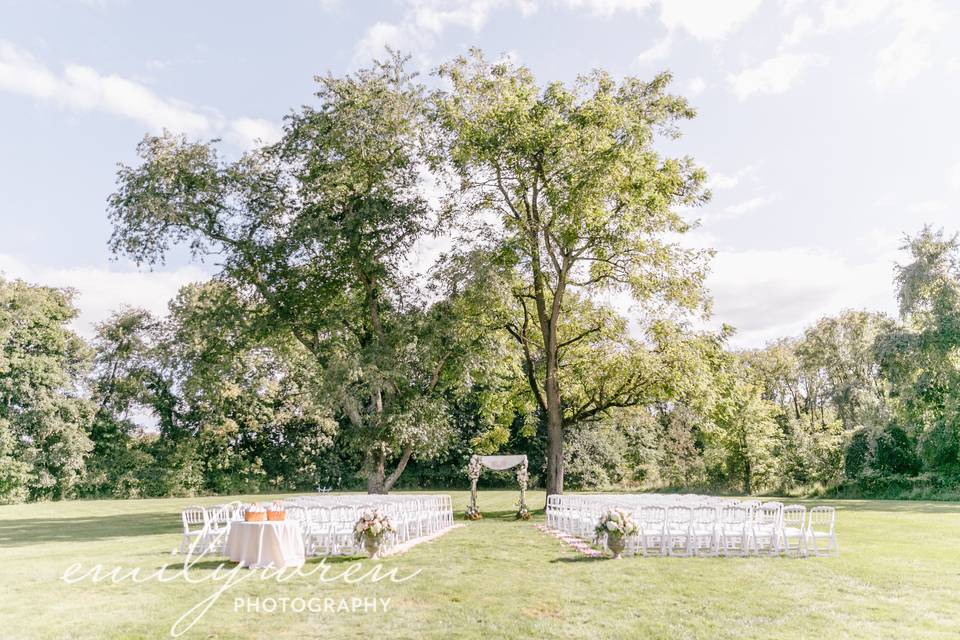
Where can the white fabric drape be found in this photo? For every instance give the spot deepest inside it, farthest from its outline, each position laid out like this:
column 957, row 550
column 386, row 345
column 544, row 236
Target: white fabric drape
column 263, row 544
column 499, row 463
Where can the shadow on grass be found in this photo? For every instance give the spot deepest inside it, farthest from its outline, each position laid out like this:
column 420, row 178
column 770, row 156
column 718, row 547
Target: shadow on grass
column 499, row 516
column 579, row 559
column 30, row 531
column 883, row 506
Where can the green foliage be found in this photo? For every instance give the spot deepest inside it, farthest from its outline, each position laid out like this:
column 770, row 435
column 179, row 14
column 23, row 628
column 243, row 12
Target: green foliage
column 43, row 417
column 894, row 453
column 313, row 233
column 14, row 473
column 316, row 357
column 583, row 204
column 858, row 454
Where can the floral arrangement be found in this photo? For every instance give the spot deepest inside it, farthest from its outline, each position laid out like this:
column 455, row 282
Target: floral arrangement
column 522, row 512
column 616, row 522
column 472, row 513
column 373, row 525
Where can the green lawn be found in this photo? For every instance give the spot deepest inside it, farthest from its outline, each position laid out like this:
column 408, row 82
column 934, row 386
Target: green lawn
column 898, row 576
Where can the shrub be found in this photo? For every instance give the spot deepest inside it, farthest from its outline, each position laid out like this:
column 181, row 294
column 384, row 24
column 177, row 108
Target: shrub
column 858, row 454
column 895, row 453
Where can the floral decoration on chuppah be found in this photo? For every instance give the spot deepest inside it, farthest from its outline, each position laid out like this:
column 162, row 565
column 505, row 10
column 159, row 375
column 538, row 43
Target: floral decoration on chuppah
column 498, row 463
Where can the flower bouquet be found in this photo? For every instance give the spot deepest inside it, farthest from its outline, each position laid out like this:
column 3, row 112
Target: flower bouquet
column 522, row 512
column 472, row 513
column 615, row 525
column 371, row 529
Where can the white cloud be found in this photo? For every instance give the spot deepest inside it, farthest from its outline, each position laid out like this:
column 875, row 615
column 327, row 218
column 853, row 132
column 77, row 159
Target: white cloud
column 248, row 132
column 768, row 294
column 718, row 180
column 803, row 27
column 743, row 208
column 773, row 76
column 696, row 86
column 912, row 51
column 659, row 51
column 909, row 53
column 424, row 21
column 607, row 8
column 706, row 19
column 703, row 19
column 100, row 291
column 84, row 88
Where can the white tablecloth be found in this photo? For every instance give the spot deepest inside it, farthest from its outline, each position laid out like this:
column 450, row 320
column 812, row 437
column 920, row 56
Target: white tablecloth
column 262, row 544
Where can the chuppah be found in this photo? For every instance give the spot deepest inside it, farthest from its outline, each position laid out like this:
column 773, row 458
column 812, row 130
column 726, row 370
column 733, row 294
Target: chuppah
column 498, row 463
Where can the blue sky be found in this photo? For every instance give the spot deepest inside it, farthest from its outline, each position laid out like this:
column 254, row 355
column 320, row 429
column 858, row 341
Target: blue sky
column 828, row 128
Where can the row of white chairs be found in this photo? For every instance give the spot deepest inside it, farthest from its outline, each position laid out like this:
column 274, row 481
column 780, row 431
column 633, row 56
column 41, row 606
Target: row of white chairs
column 703, row 525
column 327, row 521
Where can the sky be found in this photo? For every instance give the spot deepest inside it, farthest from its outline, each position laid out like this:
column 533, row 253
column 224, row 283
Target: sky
column 828, row 128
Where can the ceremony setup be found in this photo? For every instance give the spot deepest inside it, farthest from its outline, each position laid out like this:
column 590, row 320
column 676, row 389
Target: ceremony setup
column 285, row 532
column 480, row 320
column 694, row 525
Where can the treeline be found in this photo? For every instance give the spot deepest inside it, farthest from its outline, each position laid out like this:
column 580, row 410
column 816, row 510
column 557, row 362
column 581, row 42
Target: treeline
column 316, row 356
column 860, row 404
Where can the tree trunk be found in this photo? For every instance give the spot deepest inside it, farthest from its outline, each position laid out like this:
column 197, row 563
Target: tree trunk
column 378, row 482
column 375, row 473
column 554, row 430
column 746, row 477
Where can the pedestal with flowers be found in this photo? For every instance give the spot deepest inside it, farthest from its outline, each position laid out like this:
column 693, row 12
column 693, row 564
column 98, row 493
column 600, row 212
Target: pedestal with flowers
column 371, row 531
column 614, row 527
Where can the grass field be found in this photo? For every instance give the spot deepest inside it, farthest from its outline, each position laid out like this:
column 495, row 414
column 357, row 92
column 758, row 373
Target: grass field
column 898, row 576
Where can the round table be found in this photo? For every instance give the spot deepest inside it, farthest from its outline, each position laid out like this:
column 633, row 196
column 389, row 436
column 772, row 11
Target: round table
column 265, row 544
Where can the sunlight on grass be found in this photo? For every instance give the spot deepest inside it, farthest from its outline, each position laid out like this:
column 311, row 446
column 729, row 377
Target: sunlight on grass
column 896, row 577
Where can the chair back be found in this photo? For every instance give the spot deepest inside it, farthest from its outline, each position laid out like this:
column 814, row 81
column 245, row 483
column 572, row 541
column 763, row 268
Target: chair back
column 794, row 516
column 193, row 516
column 822, row 519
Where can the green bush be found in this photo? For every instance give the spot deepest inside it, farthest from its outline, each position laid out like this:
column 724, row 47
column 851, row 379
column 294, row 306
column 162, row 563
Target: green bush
column 895, row 453
column 857, row 456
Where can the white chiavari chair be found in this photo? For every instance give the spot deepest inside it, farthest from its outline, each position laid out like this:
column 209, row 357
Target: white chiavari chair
column 766, row 525
column 194, row 529
column 653, row 521
column 704, row 530
column 733, row 530
column 678, row 538
column 821, row 539
column 793, row 531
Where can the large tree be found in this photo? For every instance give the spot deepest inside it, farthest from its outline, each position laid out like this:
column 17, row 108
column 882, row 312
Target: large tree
column 584, row 204
column 313, row 234
column 921, row 358
column 44, row 418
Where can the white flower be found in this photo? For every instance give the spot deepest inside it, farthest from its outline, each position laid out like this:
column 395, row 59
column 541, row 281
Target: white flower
column 613, row 526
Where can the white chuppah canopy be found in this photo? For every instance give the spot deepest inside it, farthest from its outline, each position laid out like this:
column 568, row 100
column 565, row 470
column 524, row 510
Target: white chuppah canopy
column 497, row 463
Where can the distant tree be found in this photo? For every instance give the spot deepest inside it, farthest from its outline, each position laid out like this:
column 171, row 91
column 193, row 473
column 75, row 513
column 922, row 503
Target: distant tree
column 584, row 204
column 743, row 426
column 253, row 397
column 44, row 418
column 124, row 373
column 842, row 350
column 920, row 360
